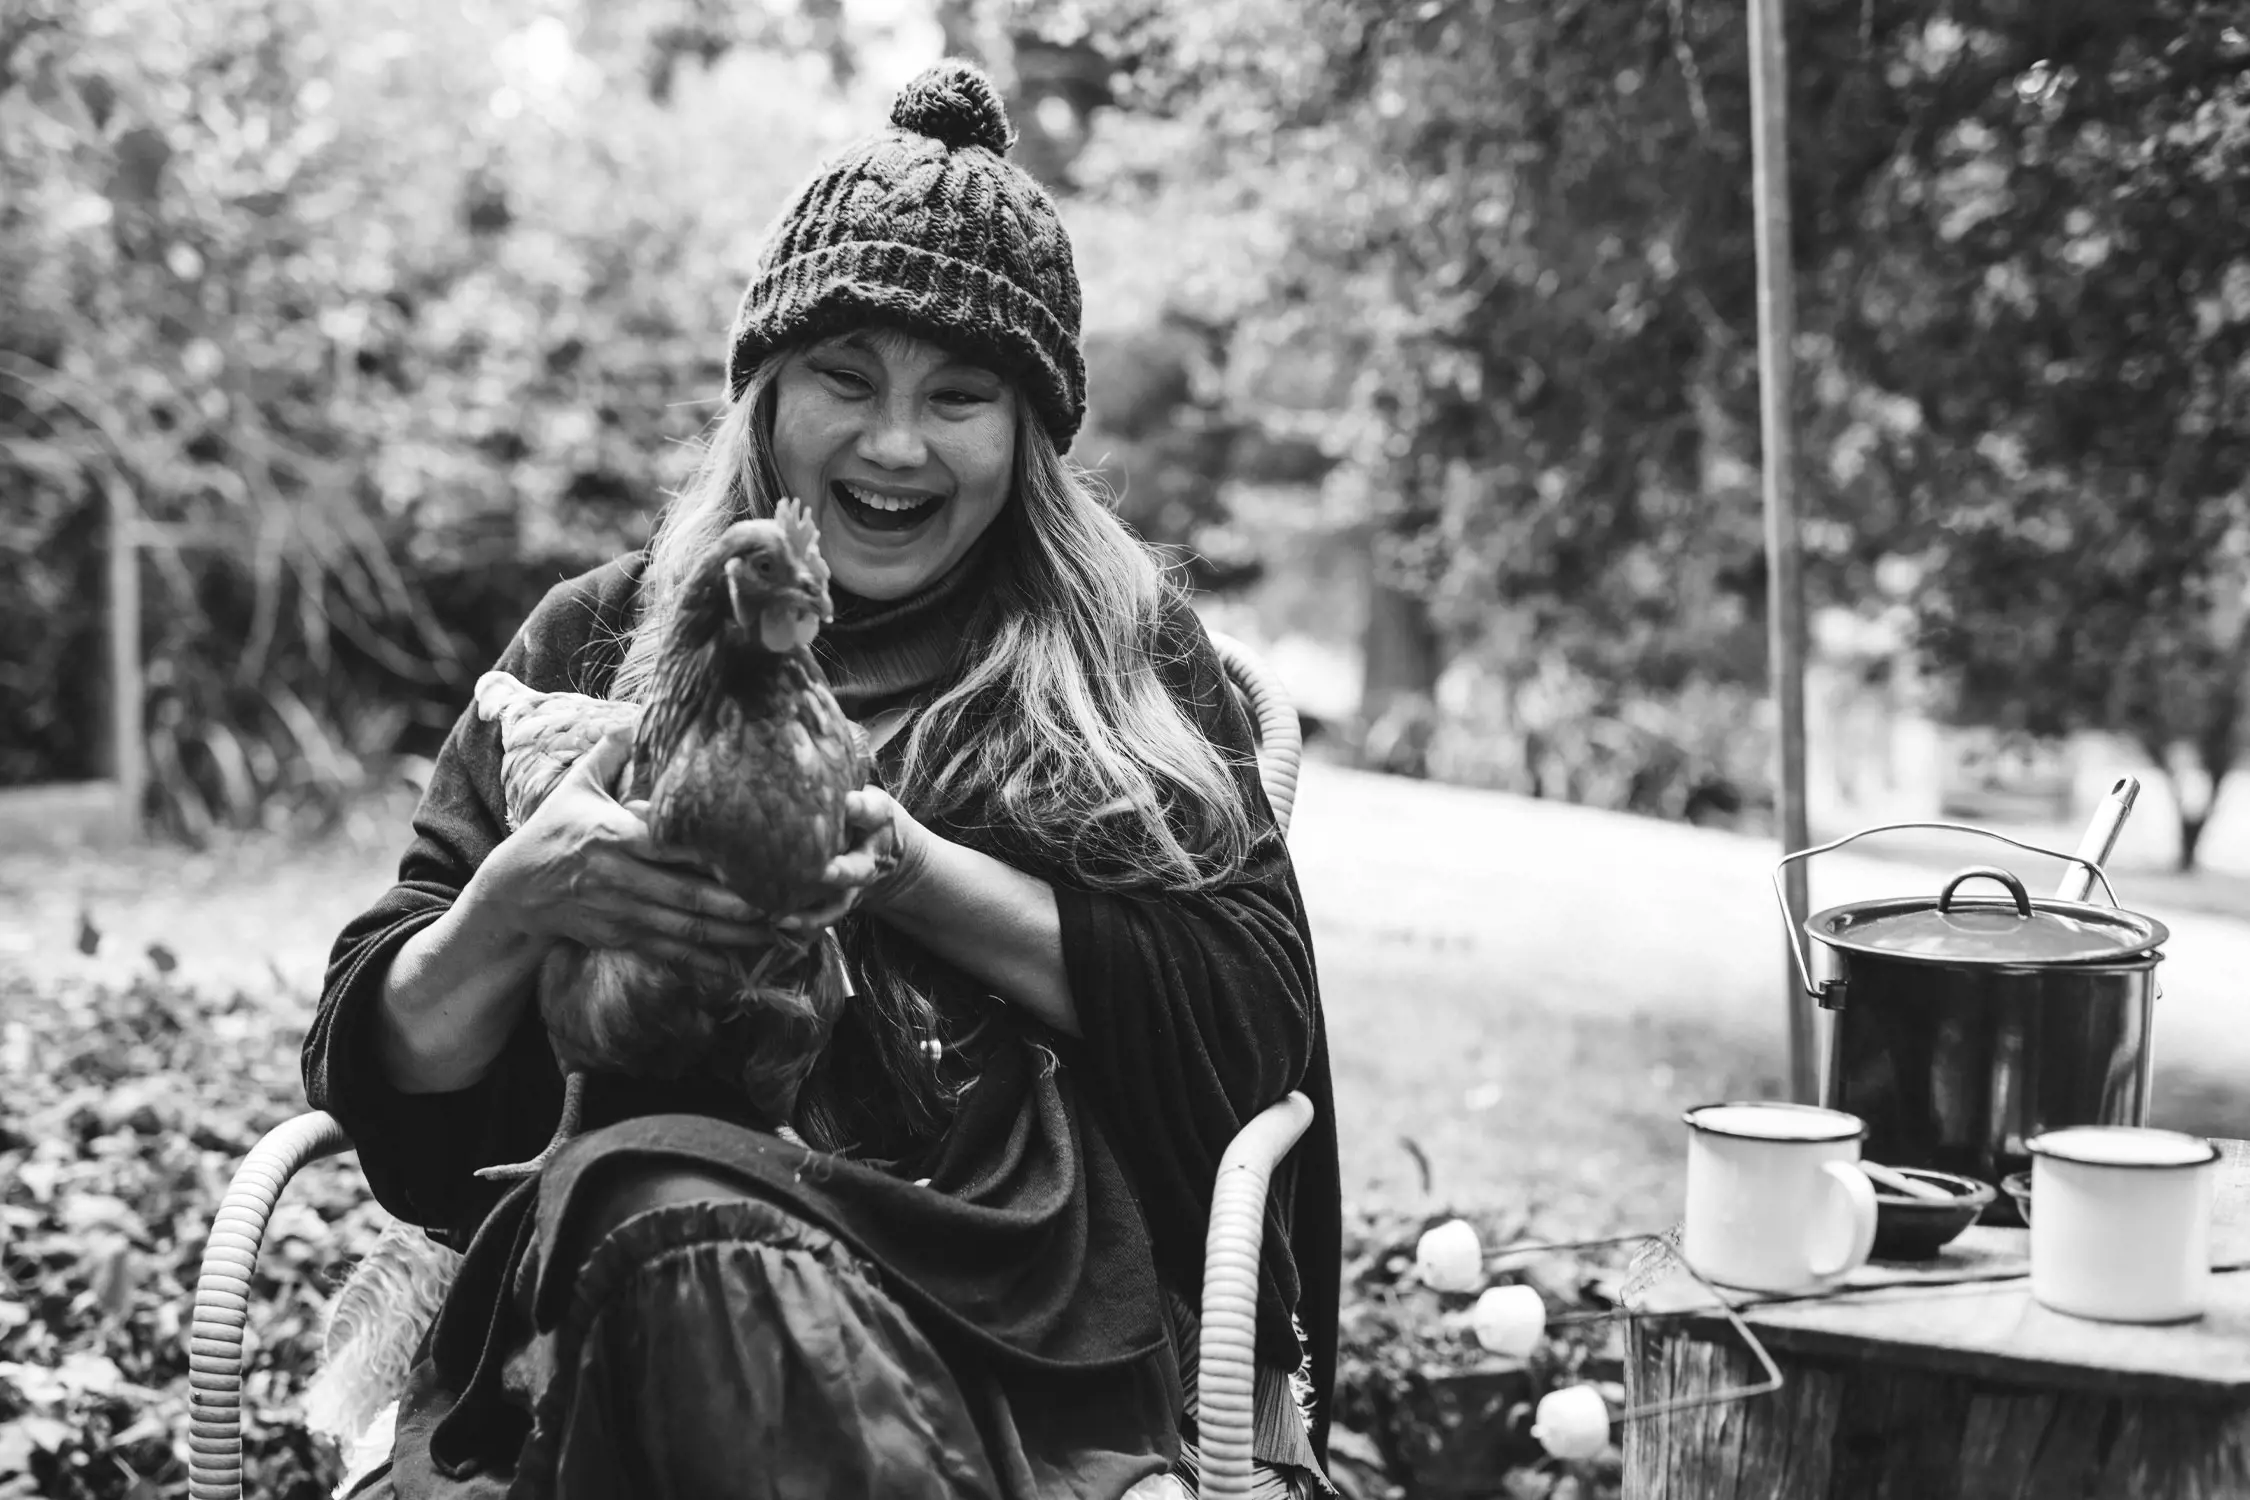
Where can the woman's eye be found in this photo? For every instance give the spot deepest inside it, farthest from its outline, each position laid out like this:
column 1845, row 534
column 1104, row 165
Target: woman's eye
column 850, row 381
column 964, row 398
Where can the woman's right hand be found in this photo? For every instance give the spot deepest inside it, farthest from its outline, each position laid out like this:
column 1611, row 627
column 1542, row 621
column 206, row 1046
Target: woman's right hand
column 584, row 867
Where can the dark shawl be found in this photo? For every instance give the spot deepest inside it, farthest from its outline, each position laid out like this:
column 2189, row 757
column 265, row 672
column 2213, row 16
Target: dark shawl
column 1059, row 1194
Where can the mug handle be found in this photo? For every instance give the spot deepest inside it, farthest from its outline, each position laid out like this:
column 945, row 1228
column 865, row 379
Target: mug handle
column 1848, row 1195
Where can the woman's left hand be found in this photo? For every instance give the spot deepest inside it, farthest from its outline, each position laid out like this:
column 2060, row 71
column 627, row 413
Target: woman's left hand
column 998, row 923
column 888, row 853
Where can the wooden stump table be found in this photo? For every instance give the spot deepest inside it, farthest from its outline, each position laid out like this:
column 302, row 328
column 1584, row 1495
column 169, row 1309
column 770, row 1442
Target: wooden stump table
column 1947, row 1382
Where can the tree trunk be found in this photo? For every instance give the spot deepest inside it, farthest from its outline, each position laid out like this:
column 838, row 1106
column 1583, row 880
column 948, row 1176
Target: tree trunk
column 2190, row 821
column 1400, row 648
column 1398, row 686
column 2191, row 834
column 2220, row 739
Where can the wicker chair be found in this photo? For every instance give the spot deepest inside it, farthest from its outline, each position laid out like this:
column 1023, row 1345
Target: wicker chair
column 1231, row 1245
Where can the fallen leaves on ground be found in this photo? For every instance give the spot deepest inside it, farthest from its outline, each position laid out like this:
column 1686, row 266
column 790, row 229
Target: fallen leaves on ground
column 123, row 1113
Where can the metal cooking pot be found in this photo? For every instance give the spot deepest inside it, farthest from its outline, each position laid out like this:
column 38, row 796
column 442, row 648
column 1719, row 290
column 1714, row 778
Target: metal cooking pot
column 1964, row 1026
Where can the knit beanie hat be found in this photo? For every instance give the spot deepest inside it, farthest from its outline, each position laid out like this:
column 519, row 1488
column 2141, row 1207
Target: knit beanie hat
column 926, row 226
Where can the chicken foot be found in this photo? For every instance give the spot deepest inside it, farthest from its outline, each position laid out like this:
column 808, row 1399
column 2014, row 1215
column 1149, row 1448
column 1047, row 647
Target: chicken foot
column 566, row 1128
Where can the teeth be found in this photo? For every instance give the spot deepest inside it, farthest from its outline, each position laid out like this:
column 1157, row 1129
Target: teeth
column 874, row 501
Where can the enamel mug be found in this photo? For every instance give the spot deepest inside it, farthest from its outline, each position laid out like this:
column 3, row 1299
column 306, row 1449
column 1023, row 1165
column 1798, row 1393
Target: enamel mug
column 1775, row 1198
column 2121, row 1222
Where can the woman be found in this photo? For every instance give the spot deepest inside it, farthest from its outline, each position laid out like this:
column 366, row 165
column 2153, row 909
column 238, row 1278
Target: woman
column 1081, row 955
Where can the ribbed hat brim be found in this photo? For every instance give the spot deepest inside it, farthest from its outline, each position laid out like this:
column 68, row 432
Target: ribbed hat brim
column 961, row 305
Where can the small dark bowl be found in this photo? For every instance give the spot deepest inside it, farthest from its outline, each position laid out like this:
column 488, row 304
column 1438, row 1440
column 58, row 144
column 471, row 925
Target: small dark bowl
column 1912, row 1229
column 2018, row 1185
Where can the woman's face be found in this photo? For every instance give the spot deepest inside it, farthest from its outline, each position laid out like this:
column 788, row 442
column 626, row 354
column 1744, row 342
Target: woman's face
column 903, row 452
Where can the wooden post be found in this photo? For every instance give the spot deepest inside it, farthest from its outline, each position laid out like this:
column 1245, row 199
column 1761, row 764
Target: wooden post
column 127, row 762
column 1785, row 594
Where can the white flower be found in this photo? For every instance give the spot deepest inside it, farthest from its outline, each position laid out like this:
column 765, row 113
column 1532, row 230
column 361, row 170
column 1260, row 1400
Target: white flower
column 1449, row 1258
column 1572, row 1423
column 1509, row 1320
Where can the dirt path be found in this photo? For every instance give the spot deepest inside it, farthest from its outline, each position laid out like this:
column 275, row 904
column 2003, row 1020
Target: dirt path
column 255, row 912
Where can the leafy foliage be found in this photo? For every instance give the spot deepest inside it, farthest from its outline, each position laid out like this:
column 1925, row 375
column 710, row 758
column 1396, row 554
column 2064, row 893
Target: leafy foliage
column 1505, row 282
column 123, row 1111
column 1519, row 236
column 385, row 315
column 382, row 317
column 2038, row 284
column 1406, row 1356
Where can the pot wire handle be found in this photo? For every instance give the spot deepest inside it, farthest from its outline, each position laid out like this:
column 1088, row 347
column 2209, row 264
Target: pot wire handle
column 1793, row 926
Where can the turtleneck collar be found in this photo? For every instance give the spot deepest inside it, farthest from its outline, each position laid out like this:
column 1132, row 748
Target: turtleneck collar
column 879, row 652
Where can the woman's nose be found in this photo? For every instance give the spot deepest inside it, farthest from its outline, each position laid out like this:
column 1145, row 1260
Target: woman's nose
column 893, row 438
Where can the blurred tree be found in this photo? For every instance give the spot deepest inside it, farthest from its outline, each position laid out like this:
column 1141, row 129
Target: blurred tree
column 2060, row 330
column 387, row 313
column 1160, row 429
column 1533, row 221
column 1507, row 232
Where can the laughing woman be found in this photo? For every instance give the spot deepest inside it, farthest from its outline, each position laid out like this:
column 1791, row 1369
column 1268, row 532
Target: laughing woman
column 1084, row 966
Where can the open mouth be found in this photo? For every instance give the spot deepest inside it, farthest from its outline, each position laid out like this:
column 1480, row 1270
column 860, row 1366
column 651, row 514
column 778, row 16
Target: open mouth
column 879, row 512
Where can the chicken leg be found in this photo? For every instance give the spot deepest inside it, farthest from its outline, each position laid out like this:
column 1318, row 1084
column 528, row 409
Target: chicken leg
column 833, row 972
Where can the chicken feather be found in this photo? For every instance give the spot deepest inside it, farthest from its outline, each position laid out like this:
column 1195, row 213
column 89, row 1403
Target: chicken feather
column 542, row 735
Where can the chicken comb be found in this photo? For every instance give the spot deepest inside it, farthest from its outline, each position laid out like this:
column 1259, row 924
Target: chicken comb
column 803, row 537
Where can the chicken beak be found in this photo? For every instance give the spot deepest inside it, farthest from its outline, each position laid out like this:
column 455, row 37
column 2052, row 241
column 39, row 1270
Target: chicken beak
column 815, row 593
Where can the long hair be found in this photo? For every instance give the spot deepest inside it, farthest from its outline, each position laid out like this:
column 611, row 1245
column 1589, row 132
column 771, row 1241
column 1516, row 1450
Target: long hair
column 734, row 478
column 1054, row 738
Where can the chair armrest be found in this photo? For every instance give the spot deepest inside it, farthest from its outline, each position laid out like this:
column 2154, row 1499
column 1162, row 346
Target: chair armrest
column 1226, row 1362
column 1281, row 739
column 222, row 1298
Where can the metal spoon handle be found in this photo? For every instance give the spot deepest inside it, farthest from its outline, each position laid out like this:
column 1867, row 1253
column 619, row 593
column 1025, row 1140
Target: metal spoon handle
column 2101, row 837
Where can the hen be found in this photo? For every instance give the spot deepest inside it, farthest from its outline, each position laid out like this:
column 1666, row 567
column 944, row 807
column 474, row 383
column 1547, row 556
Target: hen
column 745, row 761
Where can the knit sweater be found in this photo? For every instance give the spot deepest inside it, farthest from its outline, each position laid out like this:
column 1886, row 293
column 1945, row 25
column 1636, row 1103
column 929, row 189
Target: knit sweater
column 1063, row 1194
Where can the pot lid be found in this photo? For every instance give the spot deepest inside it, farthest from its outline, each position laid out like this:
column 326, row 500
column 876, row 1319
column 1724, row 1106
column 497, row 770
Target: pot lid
column 2013, row 930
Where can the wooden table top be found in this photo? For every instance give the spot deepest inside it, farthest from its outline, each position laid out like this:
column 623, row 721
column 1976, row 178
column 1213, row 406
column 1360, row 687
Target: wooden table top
column 1971, row 1313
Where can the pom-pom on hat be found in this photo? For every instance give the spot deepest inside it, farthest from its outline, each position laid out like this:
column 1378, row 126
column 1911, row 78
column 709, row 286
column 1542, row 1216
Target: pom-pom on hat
column 926, row 226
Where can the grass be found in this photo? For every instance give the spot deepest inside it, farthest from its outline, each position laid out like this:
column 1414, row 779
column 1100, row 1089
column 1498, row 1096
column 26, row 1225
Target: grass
column 1469, row 1092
